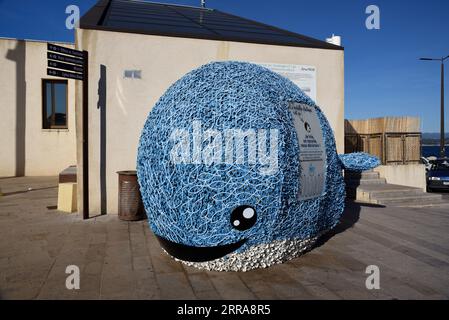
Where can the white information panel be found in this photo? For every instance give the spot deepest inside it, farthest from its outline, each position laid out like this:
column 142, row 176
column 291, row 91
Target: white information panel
column 312, row 153
column 303, row 76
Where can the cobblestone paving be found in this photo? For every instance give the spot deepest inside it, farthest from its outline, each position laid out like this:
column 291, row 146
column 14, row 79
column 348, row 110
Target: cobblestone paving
column 122, row 260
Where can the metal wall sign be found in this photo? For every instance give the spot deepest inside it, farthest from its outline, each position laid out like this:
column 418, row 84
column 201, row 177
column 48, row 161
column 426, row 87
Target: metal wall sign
column 65, row 59
column 73, row 64
column 302, row 75
column 64, row 74
column 65, row 66
column 64, row 50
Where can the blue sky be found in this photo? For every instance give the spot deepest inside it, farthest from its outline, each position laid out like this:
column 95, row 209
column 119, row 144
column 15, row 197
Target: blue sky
column 383, row 75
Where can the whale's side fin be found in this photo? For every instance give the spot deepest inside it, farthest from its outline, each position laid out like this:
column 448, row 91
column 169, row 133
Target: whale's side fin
column 358, row 161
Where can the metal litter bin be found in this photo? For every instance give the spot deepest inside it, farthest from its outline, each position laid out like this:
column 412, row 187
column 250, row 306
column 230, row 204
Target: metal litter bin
column 130, row 206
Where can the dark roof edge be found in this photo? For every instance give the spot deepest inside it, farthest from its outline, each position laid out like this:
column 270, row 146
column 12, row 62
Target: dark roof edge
column 95, row 15
column 93, row 19
column 213, row 38
column 319, row 43
column 171, row 4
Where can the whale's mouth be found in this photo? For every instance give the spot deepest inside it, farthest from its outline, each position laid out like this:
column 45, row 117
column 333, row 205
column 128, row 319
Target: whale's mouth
column 197, row 254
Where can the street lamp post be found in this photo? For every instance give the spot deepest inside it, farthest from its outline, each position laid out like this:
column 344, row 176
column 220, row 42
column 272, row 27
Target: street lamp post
column 442, row 147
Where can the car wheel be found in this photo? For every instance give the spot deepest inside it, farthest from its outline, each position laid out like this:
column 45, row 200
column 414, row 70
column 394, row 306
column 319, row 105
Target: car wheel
column 429, row 189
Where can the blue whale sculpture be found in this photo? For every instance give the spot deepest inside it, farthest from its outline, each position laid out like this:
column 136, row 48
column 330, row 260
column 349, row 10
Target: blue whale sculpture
column 238, row 169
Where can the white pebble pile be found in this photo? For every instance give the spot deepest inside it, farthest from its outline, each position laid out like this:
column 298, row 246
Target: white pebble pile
column 258, row 256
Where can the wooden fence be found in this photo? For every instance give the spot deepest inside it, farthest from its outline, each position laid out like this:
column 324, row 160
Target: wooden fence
column 395, row 140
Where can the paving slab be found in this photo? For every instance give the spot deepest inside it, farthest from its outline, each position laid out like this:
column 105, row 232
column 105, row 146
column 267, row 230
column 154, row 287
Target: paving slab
column 123, row 260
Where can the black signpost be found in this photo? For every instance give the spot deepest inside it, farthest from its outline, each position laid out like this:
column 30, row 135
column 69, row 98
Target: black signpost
column 73, row 64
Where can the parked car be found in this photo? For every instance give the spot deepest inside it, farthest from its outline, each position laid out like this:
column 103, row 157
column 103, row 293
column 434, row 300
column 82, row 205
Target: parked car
column 438, row 174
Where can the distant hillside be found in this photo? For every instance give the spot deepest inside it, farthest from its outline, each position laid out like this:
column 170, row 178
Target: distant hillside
column 433, row 135
column 433, row 138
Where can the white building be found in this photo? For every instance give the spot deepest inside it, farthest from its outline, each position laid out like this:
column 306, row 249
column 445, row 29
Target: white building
column 136, row 51
column 37, row 121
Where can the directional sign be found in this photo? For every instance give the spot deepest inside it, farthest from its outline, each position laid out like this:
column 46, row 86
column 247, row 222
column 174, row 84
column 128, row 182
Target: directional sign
column 62, row 58
column 68, row 60
column 63, row 50
column 64, row 74
column 65, row 66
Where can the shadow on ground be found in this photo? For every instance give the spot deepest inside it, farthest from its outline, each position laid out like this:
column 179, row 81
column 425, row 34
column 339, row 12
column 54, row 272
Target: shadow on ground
column 25, row 191
column 350, row 216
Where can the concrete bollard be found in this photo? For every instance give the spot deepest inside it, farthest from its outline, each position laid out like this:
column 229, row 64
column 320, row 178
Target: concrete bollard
column 67, row 197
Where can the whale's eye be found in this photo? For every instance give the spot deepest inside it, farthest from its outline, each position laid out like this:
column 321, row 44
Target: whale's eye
column 243, row 217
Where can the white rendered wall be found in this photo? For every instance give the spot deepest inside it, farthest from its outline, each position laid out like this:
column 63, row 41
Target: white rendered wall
column 27, row 148
column 163, row 60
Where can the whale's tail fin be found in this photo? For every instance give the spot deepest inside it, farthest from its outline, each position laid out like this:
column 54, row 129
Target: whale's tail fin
column 358, row 161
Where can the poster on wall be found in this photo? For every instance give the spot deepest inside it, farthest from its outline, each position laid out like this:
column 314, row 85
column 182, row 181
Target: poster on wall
column 301, row 75
column 312, row 156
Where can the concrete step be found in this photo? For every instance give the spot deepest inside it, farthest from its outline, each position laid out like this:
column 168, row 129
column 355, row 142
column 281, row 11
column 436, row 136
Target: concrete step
column 367, row 186
column 356, row 182
column 422, row 199
column 386, row 190
column 365, row 175
column 393, row 195
column 439, row 203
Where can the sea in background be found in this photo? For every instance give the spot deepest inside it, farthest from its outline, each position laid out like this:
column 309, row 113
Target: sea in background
column 427, row 151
